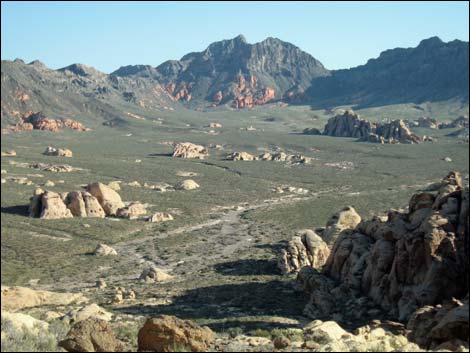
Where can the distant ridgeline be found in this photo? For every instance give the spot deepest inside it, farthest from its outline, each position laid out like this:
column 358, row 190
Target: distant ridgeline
column 235, row 74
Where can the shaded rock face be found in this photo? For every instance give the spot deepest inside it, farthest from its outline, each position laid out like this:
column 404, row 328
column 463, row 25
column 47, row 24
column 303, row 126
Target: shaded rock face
column 190, row 150
column 350, row 124
column 401, row 262
column 461, row 121
column 427, row 122
column 305, row 249
column 167, row 333
column 311, row 131
column 91, row 335
column 396, row 131
column 432, row 326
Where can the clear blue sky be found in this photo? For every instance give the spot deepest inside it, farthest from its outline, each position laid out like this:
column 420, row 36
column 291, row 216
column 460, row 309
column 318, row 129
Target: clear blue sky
column 107, row 35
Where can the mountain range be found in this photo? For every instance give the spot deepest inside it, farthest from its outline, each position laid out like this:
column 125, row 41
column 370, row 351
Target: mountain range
column 233, row 73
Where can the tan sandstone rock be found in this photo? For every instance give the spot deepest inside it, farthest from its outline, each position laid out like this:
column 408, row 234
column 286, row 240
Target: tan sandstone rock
column 165, row 333
column 91, row 335
column 109, row 199
column 189, row 150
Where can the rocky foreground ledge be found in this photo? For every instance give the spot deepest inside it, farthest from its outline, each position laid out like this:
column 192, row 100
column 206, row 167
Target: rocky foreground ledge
column 411, row 266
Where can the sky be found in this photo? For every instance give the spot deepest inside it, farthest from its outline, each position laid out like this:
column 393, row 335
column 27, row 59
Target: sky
column 107, row 35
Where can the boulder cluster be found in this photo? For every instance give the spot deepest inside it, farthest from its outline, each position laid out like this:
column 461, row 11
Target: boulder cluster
column 189, row 150
column 409, row 264
column 350, row 124
column 267, row 156
column 98, row 200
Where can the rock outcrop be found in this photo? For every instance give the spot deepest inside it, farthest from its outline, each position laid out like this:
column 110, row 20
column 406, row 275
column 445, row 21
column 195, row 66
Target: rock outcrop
column 18, row 298
column 168, row 333
column 38, row 121
column 460, row 122
column 190, row 150
column 401, row 262
column 434, row 327
column 98, row 201
column 305, row 249
column 59, row 152
column 350, row 124
column 86, row 312
column 91, row 335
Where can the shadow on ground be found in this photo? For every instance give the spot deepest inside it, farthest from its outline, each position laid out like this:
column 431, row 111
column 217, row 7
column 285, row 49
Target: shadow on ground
column 247, row 267
column 21, row 210
column 230, row 304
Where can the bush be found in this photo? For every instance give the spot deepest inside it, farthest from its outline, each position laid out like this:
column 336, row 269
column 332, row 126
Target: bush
column 24, row 340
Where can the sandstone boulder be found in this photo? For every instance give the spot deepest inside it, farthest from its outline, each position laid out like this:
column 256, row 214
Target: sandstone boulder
column 109, row 199
column 153, row 274
column 91, row 335
column 132, row 211
column 167, row 333
column 160, row 217
column 104, row 250
column 240, row 156
column 83, row 204
column 21, row 321
column 190, row 150
column 86, row 312
column 187, row 184
column 347, row 218
column 52, row 206
column 305, row 249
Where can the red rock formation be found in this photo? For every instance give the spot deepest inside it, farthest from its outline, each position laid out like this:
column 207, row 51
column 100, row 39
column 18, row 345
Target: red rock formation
column 38, row 121
column 180, row 92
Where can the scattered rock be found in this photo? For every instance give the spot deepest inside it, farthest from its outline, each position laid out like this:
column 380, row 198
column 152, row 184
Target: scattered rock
column 160, row 217
column 153, row 274
column 132, row 211
column 59, row 152
column 101, row 284
column 240, row 156
column 86, row 312
column 165, row 333
column 9, row 153
column 104, row 250
column 91, row 335
column 215, row 125
column 115, row 185
column 21, row 321
column 187, row 184
column 311, row 131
